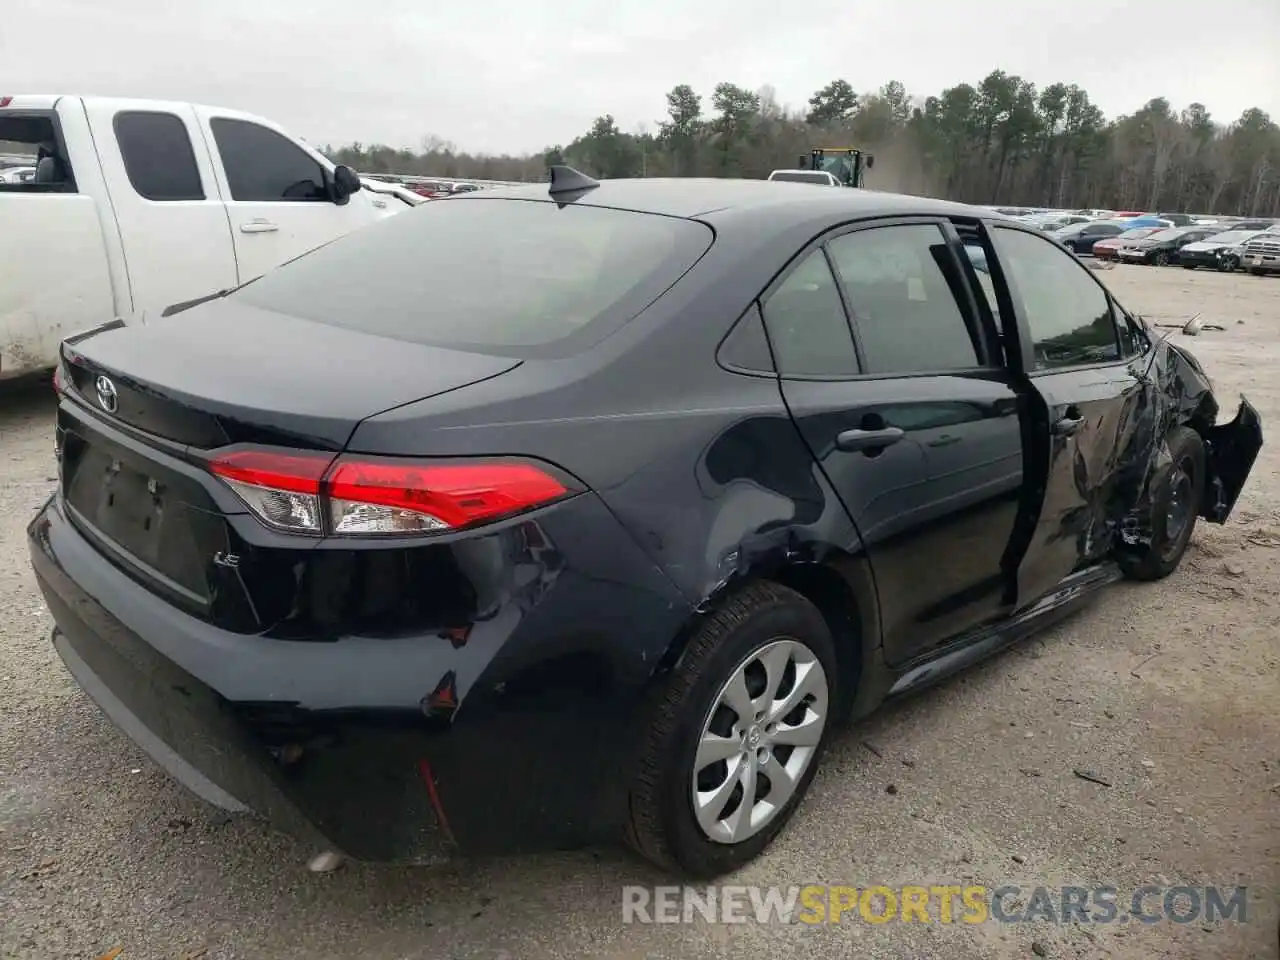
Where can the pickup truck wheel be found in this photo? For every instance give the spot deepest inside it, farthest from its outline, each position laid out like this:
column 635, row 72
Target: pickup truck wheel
column 1175, row 509
column 735, row 738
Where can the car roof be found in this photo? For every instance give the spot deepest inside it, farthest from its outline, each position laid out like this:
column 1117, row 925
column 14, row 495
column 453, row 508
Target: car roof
column 693, row 197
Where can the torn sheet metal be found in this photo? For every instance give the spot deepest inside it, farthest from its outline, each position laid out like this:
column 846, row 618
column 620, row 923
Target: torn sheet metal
column 1177, row 392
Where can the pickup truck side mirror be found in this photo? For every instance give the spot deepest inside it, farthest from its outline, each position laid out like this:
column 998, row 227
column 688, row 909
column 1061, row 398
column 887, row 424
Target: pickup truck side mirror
column 345, row 182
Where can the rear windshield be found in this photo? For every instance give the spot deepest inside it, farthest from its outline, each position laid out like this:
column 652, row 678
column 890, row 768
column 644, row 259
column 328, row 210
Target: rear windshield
column 493, row 275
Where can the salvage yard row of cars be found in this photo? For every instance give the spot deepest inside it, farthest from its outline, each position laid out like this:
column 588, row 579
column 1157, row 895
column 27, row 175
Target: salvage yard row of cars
column 415, row 568
column 1221, row 243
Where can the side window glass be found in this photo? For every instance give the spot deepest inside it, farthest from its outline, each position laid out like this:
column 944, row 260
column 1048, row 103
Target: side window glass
column 745, row 348
column 1133, row 341
column 986, row 286
column 262, row 165
column 1068, row 312
column 806, row 323
column 157, row 155
column 905, row 313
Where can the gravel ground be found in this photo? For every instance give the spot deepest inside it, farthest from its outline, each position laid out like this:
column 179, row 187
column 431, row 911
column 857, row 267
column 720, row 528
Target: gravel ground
column 1167, row 692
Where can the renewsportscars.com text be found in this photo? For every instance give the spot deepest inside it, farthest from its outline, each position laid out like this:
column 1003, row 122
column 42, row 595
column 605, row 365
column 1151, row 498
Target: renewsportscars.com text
column 815, row 904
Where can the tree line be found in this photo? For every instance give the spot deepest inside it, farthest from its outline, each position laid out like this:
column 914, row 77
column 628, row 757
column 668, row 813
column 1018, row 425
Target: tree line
column 1002, row 140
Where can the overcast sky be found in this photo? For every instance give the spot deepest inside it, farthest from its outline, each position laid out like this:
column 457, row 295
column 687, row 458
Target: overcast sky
column 508, row 76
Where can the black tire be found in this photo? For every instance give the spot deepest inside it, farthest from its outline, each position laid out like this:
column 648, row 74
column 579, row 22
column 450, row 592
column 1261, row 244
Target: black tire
column 661, row 825
column 1161, row 557
column 1162, row 259
column 1228, row 264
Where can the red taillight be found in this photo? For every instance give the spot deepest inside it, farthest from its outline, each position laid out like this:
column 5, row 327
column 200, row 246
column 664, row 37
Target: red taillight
column 291, row 472
column 59, row 377
column 316, row 494
column 5, row 101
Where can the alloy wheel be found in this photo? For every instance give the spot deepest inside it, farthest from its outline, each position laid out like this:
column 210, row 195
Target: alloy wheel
column 758, row 739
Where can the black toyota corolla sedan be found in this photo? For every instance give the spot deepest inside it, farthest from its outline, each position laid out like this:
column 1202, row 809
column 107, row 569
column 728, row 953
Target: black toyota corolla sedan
column 603, row 530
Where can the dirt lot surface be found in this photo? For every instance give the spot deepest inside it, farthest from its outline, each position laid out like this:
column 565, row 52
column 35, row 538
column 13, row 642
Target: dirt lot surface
column 1167, row 692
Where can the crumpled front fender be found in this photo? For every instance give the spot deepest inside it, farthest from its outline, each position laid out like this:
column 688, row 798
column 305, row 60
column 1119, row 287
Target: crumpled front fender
column 1178, row 393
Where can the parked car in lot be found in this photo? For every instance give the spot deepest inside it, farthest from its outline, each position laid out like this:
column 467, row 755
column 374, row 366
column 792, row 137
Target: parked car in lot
column 1161, row 247
column 1134, row 223
column 1109, row 248
column 1080, row 237
column 418, row 575
column 1252, row 224
column 1222, row 251
column 17, row 174
column 137, row 205
column 1261, row 254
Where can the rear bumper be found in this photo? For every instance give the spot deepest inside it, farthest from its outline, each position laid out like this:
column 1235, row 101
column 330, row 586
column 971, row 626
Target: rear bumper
column 390, row 749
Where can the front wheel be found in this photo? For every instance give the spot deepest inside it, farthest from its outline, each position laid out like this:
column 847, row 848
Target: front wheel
column 735, row 739
column 1162, row 259
column 1174, row 511
column 1228, row 264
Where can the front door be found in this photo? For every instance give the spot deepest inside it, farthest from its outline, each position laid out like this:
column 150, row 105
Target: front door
column 1088, row 387
column 278, row 200
column 891, row 379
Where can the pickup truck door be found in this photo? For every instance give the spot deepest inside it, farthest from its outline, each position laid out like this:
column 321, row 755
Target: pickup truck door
column 895, row 384
column 161, row 185
column 1083, row 367
column 277, row 195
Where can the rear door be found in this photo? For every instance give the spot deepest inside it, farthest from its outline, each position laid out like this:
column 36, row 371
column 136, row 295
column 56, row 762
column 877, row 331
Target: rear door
column 278, row 199
column 896, row 386
column 1088, row 381
column 160, row 179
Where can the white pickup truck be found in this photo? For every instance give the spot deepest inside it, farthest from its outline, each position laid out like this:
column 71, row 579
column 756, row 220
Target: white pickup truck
column 139, row 205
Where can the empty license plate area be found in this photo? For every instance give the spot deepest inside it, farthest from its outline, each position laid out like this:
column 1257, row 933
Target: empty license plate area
column 138, row 510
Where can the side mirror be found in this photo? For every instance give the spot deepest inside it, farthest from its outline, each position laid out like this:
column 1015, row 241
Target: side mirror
column 345, row 183
column 871, row 161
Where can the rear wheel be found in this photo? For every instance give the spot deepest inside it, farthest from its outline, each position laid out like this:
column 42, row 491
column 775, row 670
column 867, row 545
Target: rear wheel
column 1175, row 510
column 1162, row 259
column 735, row 740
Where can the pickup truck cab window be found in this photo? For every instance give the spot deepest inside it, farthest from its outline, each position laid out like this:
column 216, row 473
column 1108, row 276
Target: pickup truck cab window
column 806, row 323
column 904, row 313
column 1069, row 316
column 157, row 155
column 261, row 165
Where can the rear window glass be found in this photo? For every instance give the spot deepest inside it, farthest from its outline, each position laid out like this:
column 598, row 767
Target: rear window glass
column 493, row 275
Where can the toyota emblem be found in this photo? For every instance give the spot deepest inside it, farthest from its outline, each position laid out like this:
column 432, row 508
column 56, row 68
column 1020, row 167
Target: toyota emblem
column 108, row 399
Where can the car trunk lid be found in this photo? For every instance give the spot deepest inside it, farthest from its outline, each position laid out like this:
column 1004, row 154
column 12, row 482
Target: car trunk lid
column 225, row 372
column 140, row 414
